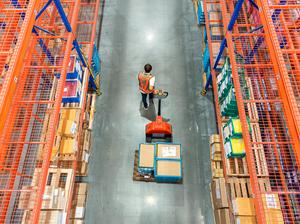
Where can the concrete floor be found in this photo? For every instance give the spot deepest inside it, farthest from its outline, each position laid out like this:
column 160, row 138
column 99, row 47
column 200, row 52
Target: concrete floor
column 163, row 33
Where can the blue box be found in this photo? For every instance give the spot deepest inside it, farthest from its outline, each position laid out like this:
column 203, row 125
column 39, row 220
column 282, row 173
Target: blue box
column 206, row 60
column 146, row 158
column 168, row 170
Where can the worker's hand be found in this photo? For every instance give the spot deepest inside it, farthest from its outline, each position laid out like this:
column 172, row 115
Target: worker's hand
column 155, row 91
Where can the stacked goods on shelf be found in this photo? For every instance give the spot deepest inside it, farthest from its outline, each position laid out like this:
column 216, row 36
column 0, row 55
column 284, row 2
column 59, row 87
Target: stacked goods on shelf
column 55, row 199
column 73, row 84
column 168, row 163
column 216, row 33
column 218, row 184
column 272, row 209
column 160, row 162
column 226, row 91
column 86, row 136
column 216, row 159
column 243, row 210
column 146, row 158
column 198, row 6
column 79, row 203
column 234, row 144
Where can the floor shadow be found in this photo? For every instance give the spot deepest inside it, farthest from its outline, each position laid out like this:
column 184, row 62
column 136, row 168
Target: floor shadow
column 149, row 114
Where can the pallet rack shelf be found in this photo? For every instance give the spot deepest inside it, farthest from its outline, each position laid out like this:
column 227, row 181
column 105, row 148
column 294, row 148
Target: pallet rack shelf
column 35, row 34
column 266, row 56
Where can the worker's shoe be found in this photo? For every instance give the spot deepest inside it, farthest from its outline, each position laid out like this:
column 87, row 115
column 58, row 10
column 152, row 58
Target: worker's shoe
column 203, row 93
column 145, row 108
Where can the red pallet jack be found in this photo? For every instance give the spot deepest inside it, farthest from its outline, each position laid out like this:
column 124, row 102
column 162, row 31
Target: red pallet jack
column 159, row 130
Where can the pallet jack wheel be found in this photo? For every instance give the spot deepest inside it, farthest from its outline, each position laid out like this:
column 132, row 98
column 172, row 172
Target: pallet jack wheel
column 148, row 138
column 169, row 138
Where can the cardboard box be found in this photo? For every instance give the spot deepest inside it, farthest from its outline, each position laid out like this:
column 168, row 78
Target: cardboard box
column 69, row 128
column 168, row 168
column 216, row 152
column 81, row 188
column 68, row 146
column 219, row 193
column 271, row 201
column 52, row 217
column 243, row 207
column 146, row 155
column 222, row 216
column 274, row 216
column 76, row 221
column 245, row 220
column 214, row 139
column 272, row 208
column 168, row 151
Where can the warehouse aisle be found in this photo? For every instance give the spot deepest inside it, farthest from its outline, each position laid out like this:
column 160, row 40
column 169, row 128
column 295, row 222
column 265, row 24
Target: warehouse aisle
column 163, row 33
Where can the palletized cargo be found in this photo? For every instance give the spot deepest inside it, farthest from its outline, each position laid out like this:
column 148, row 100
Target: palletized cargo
column 146, row 158
column 168, row 170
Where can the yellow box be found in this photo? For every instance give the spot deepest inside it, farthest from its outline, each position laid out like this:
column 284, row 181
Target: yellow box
column 274, row 216
column 68, row 146
column 243, row 207
column 69, row 128
column 70, row 114
column 54, row 152
column 245, row 220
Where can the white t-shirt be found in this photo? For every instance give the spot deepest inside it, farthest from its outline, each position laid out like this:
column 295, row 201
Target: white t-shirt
column 151, row 81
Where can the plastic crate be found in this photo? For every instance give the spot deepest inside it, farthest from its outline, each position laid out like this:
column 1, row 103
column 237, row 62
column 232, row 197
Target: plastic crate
column 235, row 148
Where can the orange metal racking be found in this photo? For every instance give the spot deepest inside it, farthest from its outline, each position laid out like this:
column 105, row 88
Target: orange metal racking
column 268, row 57
column 29, row 124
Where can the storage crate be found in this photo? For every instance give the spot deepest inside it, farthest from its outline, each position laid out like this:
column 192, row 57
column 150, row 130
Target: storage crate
column 72, row 91
column 168, row 170
column 146, row 158
column 235, row 147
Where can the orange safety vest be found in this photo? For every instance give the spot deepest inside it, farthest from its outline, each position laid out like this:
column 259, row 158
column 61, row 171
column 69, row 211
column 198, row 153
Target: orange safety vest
column 144, row 81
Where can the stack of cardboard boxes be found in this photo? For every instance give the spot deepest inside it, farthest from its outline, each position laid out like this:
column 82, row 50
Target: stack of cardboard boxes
column 78, row 204
column 162, row 160
column 218, row 184
column 243, row 210
column 55, row 198
column 215, row 156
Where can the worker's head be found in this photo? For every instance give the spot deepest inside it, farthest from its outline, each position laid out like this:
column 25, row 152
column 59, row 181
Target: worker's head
column 148, row 68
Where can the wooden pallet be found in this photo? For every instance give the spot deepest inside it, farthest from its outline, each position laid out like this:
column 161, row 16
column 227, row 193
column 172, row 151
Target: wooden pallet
column 138, row 176
column 240, row 187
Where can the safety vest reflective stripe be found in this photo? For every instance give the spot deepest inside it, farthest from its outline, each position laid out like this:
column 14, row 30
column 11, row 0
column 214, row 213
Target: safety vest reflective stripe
column 144, row 81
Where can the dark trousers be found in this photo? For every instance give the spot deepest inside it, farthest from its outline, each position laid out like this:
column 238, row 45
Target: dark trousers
column 144, row 98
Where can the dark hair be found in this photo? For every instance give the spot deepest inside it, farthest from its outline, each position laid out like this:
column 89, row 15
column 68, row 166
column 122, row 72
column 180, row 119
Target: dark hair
column 148, row 68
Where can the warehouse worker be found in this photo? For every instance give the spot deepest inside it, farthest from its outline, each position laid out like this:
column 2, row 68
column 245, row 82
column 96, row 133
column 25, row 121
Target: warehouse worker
column 146, row 84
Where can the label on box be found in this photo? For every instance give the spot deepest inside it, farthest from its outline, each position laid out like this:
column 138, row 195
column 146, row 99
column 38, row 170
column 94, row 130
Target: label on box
column 64, row 218
column 79, row 212
column 169, row 151
column 65, row 89
column 271, row 201
column 86, row 157
column 73, row 128
column 218, row 189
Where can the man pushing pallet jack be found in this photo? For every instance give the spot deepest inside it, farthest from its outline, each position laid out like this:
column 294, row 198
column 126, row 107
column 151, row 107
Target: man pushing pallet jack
column 159, row 159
